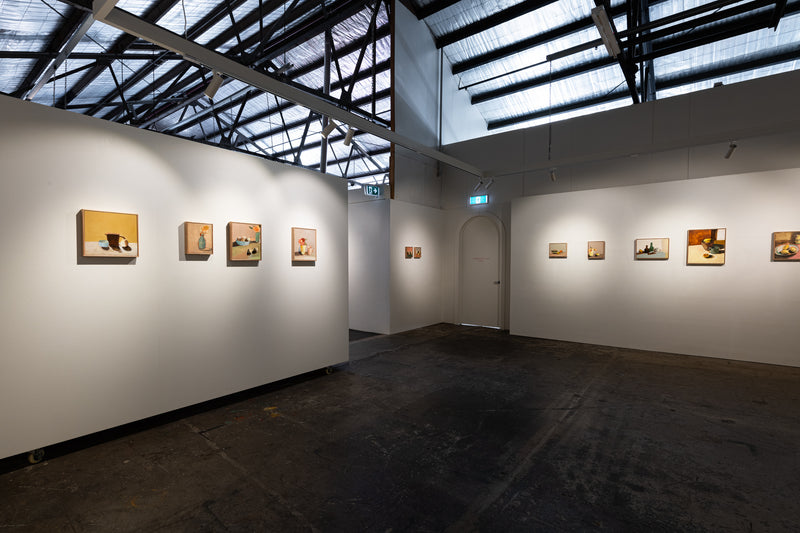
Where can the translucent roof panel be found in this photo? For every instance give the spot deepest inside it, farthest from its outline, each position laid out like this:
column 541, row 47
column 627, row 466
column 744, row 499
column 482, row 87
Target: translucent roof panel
column 522, row 82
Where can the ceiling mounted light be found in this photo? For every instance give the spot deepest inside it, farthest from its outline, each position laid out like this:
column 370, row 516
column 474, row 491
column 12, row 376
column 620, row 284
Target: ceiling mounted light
column 348, row 138
column 477, row 185
column 603, row 23
column 213, row 85
column 283, row 69
column 731, row 148
column 327, row 130
column 489, row 183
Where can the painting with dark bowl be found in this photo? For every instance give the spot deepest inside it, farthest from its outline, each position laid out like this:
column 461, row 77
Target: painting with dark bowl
column 786, row 246
column 705, row 246
column 108, row 234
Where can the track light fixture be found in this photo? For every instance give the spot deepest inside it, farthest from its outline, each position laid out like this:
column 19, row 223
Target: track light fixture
column 478, row 185
column 327, row 130
column 348, row 138
column 488, row 184
column 283, row 69
column 552, row 174
column 603, row 23
column 731, row 148
column 213, row 86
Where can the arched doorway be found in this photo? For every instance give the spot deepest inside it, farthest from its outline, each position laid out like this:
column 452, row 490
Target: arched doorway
column 480, row 268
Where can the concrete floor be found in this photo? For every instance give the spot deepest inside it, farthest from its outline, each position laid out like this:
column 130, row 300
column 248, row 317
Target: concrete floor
column 448, row 428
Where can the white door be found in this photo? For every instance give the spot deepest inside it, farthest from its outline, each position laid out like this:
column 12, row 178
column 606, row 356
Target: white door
column 480, row 273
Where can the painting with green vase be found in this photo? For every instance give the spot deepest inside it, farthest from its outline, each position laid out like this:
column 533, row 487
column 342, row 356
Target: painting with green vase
column 198, row 238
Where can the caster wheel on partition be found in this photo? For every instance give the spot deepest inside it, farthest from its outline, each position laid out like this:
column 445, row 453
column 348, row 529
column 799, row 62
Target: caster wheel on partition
column 36, row 456
column 328, row 370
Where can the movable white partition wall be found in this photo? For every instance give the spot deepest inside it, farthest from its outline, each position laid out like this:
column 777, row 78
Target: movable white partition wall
column 746, row 309
column 86, row 345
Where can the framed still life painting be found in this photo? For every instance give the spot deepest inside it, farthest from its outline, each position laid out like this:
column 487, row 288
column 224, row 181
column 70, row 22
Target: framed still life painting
column 304, row 244
column 646, row 249
column 786, row 246
column 244, row 241
column 705, row 247
column 596, row 250
column 409, row 252
column 557, row 249
column 198, row 238
column 107, row 234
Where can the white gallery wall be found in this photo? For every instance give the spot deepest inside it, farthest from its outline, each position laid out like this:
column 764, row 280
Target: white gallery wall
column 415, row 283
column 89, row 344
column 675, row 139
column 368, row 249
column 746, row 309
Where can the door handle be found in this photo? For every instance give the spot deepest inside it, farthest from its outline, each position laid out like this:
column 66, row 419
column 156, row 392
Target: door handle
column 497, row 282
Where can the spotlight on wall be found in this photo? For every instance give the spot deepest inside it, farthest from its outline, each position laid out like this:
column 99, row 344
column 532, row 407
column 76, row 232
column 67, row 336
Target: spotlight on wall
column 213, row 86
column 329, row 128
column 348, row 138
column 478, row 185
column 731, row 148
column 488, row 184
column 552, row 174
column 601, row 20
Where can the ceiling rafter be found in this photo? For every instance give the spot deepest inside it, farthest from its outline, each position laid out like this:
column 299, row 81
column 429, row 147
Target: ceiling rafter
column 491, row 21
column 158, row 10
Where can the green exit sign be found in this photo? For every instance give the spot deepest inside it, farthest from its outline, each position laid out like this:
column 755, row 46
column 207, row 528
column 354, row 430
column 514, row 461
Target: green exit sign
column 372, row 190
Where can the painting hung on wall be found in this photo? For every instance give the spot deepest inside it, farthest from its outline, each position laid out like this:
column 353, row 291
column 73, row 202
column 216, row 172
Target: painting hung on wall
column 107, row 234
column 597, row 250
column 558, row 249
column 198, row 238
column 409, row 252
column 652, row 249
column 786, row 246
column 705, row 247
column 244, row 241
column 304, row 244
column 418, row 252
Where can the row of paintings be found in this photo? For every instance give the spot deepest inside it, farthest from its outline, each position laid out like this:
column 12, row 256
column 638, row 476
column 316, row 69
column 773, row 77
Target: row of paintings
column 414, row 251
column 107, row 234
column 703, row 247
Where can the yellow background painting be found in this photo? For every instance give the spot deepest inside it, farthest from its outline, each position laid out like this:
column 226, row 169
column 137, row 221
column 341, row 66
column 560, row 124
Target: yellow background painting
column 97, row 223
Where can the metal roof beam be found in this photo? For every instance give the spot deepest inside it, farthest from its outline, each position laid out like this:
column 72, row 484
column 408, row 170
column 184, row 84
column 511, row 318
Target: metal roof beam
column 277, row 48
column 171, row 41
column 544, row 79
column 235, row 99
column 433, row 8
column 491, row 21
column 86, row 23
column 785, row 55
column 531, row 42
column 158, row 10
column 59, row 39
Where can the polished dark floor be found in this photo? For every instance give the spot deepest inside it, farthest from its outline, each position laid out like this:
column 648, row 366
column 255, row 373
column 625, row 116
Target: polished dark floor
column 449, row 428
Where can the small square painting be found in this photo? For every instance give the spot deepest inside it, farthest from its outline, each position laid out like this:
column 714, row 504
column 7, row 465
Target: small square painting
column 597, row 250
column 418, row 252
column 409, row 252
column 786, row 246
column 646, row 249
column 107, row 234
column 558, row 249
column 198, row 238
column 244, row 241
column 705, row 247
column 304, row 244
